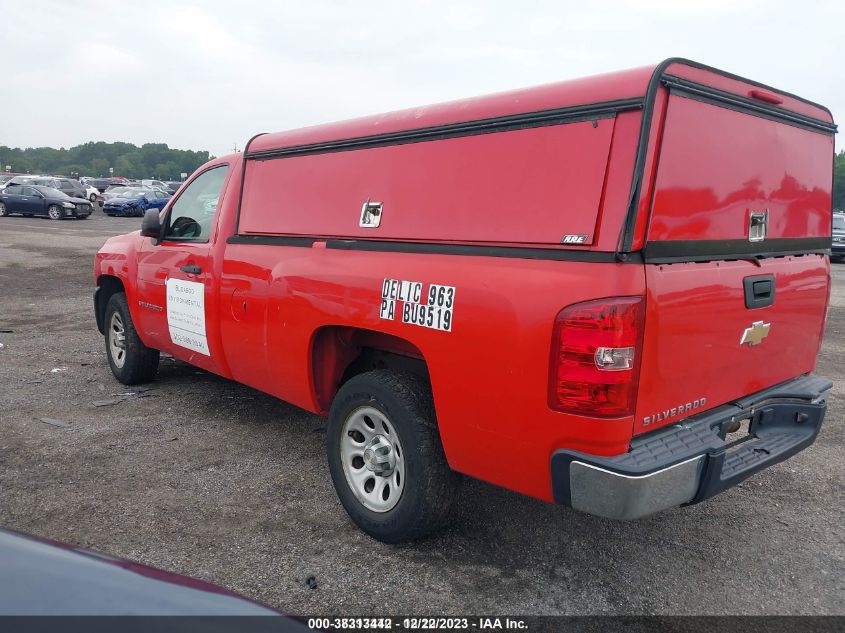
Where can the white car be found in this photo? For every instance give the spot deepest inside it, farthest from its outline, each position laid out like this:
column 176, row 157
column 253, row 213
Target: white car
column 154, row 184
column 91, row 192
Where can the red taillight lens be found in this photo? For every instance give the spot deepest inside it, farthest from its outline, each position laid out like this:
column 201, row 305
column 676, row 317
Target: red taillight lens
column 596, row 348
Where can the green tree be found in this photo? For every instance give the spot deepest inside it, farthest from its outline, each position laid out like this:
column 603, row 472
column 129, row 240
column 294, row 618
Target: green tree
column 95, row 158
column 838, row 181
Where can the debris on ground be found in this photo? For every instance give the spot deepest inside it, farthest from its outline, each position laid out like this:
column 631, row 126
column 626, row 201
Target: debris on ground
column 311, row 582
column 105, row 403
column 54, row 422
column 57, row 370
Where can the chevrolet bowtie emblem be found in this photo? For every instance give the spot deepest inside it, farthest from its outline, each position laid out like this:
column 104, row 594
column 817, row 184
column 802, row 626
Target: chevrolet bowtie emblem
column 755, row 334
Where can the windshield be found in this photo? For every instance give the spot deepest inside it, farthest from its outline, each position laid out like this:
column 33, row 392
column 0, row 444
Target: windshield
column 839, row 222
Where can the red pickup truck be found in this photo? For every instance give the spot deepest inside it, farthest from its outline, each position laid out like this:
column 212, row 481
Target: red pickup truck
column 609, row 293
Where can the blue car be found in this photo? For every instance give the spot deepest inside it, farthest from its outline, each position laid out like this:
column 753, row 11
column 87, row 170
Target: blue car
column 36, row 200
column 134, row 201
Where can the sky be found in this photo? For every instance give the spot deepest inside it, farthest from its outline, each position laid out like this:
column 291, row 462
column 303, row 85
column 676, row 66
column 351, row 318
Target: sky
column 209, row 75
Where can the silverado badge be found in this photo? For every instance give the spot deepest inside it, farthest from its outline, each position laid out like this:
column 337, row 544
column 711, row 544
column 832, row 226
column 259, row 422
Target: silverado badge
column 755, row 334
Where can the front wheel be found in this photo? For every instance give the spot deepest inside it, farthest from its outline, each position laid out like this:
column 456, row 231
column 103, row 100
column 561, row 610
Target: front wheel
column 386, row 458
column 55, row 212
column 3, row 210
column 92, row 198
column 130, row 360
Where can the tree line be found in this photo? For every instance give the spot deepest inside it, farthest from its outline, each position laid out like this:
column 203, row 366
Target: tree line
column 151, row 160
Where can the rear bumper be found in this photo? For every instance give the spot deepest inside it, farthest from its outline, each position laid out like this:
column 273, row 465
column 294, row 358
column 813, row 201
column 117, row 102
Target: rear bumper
column 837, row 249
column 691, row 461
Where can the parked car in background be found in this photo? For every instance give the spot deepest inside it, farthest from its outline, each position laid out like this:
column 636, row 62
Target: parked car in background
column 20, row 180
column 4, row 178
column 134, row 201
column 173, row 186
column 115, row 190
column 111, row 191
column 104, row 183
column 837, row 250
column 92, row 192
column 71, row 187
column 155, row 184
column 101, row 184
column 36, row 200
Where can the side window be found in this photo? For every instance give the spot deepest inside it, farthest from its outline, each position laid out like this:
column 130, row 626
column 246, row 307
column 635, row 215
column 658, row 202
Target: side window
column 191, row 216
column 27, row 191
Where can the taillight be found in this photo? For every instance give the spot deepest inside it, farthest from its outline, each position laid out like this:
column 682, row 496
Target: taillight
column 595, row 360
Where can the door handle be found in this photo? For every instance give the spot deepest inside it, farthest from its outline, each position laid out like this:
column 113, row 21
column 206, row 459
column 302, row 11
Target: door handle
column 191, row 269
column 759, row 291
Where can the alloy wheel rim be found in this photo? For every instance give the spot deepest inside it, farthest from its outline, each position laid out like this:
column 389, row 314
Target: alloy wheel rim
column 372, row 458
column 54, row 212
column 117, row 340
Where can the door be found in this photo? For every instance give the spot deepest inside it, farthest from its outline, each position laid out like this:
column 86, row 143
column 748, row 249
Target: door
column 177, row 287
column 32, row 201
column 12, row 198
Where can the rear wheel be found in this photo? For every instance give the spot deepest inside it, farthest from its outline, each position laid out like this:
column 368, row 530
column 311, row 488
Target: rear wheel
column 55, row 212
column 386, row 459
column 3, row 211
column 130, row 360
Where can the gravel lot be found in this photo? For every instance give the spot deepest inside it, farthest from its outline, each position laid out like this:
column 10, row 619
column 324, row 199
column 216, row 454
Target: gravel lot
column 209, row 478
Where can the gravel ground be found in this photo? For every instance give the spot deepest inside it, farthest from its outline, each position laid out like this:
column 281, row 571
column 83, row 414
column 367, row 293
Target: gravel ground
column 208, row 478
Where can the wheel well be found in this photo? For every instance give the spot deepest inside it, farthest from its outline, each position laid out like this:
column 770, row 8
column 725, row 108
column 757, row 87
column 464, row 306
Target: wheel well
column 340, row 352
column 107, row 285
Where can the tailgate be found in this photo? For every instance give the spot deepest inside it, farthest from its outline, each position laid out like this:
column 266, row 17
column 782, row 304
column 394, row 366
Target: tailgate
column 736, row 269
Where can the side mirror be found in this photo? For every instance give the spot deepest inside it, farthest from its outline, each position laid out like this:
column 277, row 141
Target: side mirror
column 151, row 224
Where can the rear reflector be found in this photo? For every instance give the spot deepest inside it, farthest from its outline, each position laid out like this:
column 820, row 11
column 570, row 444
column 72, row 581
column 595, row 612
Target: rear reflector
column 594, row 365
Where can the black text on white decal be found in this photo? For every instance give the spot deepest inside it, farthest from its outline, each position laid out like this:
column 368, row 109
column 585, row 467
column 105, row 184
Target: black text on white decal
column 431, row 309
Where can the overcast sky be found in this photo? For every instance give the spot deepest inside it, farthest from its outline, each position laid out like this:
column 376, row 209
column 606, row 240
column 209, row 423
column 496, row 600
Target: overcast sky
column 208, row 75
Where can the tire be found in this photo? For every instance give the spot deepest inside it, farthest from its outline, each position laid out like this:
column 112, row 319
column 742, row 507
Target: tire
column 55, row 212
column 3, row 210
column 424, row 485
column 92, row 198
column 130, row 360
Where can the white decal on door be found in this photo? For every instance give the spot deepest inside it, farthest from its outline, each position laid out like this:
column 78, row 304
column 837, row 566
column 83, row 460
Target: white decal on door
column 186, row 314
